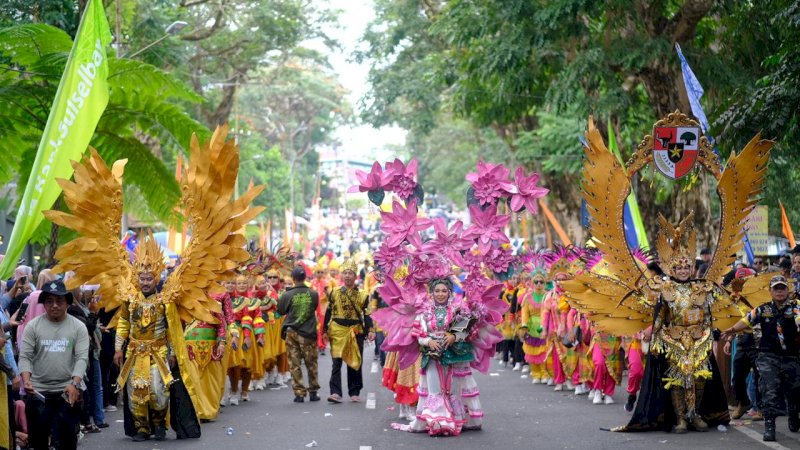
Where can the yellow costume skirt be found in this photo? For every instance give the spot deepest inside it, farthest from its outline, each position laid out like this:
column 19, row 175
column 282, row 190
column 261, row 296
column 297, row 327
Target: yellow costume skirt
column 344, row 344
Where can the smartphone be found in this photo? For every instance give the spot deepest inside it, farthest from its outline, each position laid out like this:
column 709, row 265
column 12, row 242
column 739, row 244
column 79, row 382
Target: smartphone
column 23, row 280
column 23, row 309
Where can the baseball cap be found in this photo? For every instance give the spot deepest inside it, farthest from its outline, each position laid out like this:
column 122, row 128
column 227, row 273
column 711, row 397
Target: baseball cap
column 778, row 280
column 55, row 287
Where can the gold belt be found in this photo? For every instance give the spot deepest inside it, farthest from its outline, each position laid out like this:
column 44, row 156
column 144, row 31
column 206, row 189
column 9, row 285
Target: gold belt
column 142, row 354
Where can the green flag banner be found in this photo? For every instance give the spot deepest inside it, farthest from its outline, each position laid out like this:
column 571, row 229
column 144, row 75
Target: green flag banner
column 81, row 97
column 633, row 204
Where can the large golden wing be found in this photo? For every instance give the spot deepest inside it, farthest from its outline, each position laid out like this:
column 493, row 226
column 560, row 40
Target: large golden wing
column 605, row 188
column 613, row 306
column 738, row 187
column 216, row 223
column 97, row 256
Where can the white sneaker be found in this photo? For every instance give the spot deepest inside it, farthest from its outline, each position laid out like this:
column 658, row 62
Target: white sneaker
column 110, row 408
column 526, row 369
column 224, row 400
column 608, row 400
column 559, row 387
column 592, row 392
column 287, row 377
column 517, row 367
column 598, row 398
column 235, row 399
column 550, row 382
column 503, row 363
column 570, row 386
column 536, row 381
column 252, row 386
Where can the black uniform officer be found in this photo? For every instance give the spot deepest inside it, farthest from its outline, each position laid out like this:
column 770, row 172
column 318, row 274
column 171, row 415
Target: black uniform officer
column 778, row 358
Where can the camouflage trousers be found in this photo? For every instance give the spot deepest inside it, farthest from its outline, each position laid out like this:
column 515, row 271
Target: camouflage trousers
column 301, row 350
column 779, row 379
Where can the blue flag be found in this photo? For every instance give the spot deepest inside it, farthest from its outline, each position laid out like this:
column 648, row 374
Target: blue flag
column 694, row 90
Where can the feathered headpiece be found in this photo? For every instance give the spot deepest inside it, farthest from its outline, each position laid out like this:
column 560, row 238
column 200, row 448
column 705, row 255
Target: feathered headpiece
column 676, row 246
column 148, row 257
column 561, row 261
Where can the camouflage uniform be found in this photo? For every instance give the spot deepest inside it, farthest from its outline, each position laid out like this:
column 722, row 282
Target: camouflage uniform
column 299, row 304
column 302, row 350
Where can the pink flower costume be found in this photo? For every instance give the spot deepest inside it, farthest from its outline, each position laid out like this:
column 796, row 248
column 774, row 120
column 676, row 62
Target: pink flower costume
column 449, row 396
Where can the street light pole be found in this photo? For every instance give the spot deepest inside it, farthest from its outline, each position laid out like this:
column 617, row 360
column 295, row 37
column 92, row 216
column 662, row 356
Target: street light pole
column 172, row 29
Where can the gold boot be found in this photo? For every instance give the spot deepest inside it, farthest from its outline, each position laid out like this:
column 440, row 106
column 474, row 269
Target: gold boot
column 679, row 405
column 697, row 422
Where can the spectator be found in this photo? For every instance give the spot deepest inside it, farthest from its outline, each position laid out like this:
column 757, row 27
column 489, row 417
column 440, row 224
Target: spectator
column 758, row 264
column 52, row 361
column 18, row 288
column 299, row 304
column 23, row 316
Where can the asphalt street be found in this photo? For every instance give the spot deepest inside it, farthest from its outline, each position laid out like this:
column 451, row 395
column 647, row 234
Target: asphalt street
column 518, row 415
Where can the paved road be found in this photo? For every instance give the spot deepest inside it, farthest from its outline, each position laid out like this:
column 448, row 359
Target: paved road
column 518, row 416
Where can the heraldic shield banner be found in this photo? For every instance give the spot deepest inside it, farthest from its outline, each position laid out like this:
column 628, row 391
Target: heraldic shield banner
column 675, row 149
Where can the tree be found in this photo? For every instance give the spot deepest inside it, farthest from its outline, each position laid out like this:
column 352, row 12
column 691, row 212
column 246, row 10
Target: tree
column 141, row 109
column 295, row 106
column 507, row 65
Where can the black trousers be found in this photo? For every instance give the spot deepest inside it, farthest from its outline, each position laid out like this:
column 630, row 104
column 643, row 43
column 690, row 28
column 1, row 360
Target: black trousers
column 355, row 382
column 743, row 362
column 108, row 370
column 52, row 418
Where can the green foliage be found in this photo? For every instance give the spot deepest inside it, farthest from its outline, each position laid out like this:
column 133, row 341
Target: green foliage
column 141, row 110
column 532, row 71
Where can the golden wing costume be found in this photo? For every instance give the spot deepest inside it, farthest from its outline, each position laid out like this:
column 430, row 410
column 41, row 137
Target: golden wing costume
column 149, row 323
column 682, row 313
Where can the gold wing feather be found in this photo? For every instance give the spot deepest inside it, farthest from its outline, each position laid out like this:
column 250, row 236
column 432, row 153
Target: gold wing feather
column 605, row 188
column 613, row 306
column 96, row 256
column 216, row 224
column 738, row 187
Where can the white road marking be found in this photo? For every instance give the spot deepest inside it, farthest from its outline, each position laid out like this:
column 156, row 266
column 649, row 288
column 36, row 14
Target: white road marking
column 754, row 435
column 371, row 400
column 365, row 447
column 374, row 368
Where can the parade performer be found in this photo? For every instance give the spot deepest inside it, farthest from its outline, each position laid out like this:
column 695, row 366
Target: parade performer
column 238, row 369
column 559, row 323
column 422, row 315
column 206, row 345
column 346, row 326
column 508, row 326
column 681, row 383
column 402, row 382
column 320, row 284
column 150, row 321
column 531, row 328
column 232, row 358
column 261, row 293
column 277, row 362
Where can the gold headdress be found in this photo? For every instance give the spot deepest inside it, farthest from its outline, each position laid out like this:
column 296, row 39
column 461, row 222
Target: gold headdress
column 676, row 246
column 334, row 265
column 349, row 265
column 148, row 257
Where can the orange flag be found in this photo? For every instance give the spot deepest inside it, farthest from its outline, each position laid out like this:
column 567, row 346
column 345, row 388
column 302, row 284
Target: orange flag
column 557, row 226
column 787, row 228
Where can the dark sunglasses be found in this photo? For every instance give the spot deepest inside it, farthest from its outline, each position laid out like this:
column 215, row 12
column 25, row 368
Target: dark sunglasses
column 538, row 282
column 272, row 277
